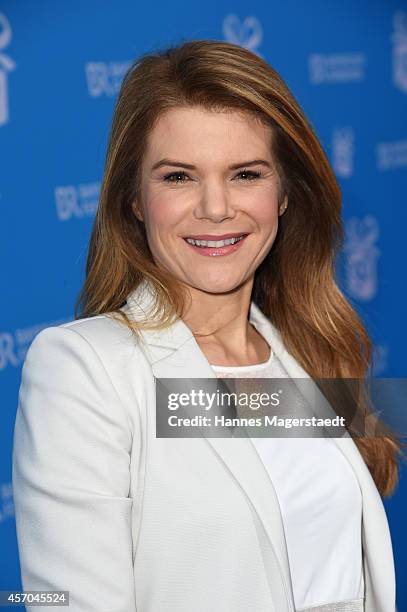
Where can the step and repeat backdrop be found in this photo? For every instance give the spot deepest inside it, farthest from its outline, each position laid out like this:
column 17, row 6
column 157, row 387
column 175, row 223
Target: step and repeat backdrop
column 61, row 65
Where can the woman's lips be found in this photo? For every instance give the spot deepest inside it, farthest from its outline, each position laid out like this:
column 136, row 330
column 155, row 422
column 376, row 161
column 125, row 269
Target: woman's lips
column 217, row 237
column 217, row 251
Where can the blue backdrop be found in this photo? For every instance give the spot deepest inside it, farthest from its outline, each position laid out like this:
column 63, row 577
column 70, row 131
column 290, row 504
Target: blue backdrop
column 61, row 64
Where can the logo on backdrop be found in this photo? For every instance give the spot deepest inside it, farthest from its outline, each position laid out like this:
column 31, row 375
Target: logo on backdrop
column 247, row 33
column 391, row 155
column 14, row 345
column 76, row 201
column 361, row 255
column 6, row 501
column 104, row 79
column 399, row 40
column 342, row 151
column 6, row 66
column 336, row 68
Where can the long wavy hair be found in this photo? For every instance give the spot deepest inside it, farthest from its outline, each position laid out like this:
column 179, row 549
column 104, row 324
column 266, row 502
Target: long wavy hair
column 295, row 285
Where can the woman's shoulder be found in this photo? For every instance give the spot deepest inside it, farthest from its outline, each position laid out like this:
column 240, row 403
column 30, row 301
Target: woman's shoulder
column 101, row 339
column 97, row 330
column 102, row 330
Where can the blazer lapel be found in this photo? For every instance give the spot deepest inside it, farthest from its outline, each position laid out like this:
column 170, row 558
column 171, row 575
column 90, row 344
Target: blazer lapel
column 174, row 353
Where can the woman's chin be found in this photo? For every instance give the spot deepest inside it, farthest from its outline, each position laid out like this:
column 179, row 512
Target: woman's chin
column 216, row 285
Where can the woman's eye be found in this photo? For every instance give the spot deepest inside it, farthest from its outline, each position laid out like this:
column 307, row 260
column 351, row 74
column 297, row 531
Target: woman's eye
column 168, row 178
column 179, row 177
column 250, row 174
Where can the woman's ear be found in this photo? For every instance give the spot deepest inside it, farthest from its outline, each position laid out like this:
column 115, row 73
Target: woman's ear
column 136, row 209
column 283, row 206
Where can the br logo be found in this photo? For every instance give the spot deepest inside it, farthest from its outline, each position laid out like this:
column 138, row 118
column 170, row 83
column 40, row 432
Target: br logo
column 399, row 40
column 66, row 199
column 361, row 257
column 7, row 351
column 342, row 151
column 6, row 65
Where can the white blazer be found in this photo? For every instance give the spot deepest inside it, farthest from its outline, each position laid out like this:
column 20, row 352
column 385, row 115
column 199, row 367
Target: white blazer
column 129, row 522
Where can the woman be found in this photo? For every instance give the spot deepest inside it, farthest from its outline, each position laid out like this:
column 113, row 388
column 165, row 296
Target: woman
column 207, row 145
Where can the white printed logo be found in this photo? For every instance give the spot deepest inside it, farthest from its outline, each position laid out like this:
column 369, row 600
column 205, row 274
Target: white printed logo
column 105, row 79
column 76, row 201
column 14, row 345
column 391, row 155
column 6, row 65
column 399, row 39
column 247, row 34
column 6, row 501
column 361, row 257
column 341, row 67
column 7, row 351
column 342, row 151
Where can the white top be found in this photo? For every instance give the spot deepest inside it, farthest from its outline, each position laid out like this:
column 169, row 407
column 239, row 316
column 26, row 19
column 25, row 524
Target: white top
column 321, row 506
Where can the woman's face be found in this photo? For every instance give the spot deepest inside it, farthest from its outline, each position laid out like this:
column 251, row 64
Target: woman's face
column 205, row 176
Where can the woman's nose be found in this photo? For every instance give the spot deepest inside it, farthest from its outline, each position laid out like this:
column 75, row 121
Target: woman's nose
column 214, row 203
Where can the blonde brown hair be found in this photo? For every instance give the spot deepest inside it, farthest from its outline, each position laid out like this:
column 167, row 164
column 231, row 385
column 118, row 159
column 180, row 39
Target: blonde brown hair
column 295, row 285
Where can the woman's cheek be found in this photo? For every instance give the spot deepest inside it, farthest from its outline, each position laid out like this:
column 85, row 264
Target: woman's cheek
column 164, row 211
column 266, row 213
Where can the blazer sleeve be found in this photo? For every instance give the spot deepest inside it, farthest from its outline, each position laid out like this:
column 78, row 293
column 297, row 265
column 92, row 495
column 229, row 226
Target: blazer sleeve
column 71, row 477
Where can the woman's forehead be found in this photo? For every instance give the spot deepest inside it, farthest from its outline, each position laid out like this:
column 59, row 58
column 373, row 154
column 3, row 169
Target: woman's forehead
column 179, row 130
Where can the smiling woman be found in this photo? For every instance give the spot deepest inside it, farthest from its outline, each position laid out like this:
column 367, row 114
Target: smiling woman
column 210, row 201
column 212, row 255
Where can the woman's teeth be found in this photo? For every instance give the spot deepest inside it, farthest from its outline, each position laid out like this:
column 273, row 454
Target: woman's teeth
column 214, row 243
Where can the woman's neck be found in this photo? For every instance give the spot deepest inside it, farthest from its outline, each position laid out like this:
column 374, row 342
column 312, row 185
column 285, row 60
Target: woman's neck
column 222, row 329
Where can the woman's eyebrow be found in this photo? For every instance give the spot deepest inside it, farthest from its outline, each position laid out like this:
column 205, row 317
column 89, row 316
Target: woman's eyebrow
column 172, row 162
